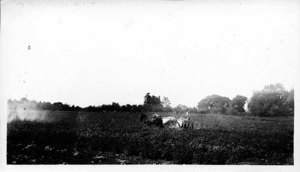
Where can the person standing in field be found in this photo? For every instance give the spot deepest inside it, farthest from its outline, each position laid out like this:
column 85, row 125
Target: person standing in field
column 187, row 116
column 187, row 122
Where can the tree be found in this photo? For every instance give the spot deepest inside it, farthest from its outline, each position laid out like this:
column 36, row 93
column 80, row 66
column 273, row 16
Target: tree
column 24, row 100
column 237, row 105
column 181, row 108
column 272, row 100
column 152, row 103
column 166, row 104
column 214, row 104
column 115, row 106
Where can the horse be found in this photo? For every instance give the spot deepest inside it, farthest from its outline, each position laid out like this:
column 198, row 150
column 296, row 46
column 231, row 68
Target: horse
column 187, row 124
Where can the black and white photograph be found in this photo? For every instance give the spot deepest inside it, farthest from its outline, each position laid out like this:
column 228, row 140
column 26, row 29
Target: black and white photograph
column 156, row 83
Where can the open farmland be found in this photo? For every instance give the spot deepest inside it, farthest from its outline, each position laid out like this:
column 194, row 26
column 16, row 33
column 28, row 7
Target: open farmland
column 60, row 137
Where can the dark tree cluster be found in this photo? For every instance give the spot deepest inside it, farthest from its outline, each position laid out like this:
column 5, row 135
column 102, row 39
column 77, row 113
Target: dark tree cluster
column 115, row 107
column 25, row 104
column 223, row 105
column 237, row 105
column 272, row 100
column 214, row 104
column 153, row 103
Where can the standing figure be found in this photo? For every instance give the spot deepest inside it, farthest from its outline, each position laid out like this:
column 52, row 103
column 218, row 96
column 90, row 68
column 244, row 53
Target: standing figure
column 187, row 123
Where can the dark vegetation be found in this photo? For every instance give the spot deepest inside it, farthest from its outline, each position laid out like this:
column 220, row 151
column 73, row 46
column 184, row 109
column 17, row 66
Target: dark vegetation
column 273, row 100
column 120, row 138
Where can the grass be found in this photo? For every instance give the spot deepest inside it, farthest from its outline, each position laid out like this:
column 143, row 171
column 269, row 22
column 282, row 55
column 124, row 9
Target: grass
column 119, row 138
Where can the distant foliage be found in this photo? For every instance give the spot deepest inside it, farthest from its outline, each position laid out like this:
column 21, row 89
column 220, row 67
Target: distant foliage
column 273, row 100
column 114, row 107
column 25, row 104
column 180, row 108
column 153, row 103
column 237, row 105
column 166, row 104
column 214, row 104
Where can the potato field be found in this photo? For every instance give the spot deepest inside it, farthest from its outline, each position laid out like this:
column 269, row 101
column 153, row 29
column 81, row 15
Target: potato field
column 60, row 137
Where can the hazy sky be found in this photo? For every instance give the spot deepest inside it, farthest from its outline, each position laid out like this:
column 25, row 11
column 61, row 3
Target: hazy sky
column 95, row 53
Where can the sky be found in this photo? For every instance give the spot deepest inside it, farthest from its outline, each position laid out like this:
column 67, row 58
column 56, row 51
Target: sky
column 99, row 52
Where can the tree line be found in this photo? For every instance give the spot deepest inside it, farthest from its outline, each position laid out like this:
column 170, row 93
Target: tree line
column 25, row 104
column 272, row 100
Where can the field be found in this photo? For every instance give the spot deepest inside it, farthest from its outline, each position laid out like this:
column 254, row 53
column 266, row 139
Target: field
column 57, row 137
